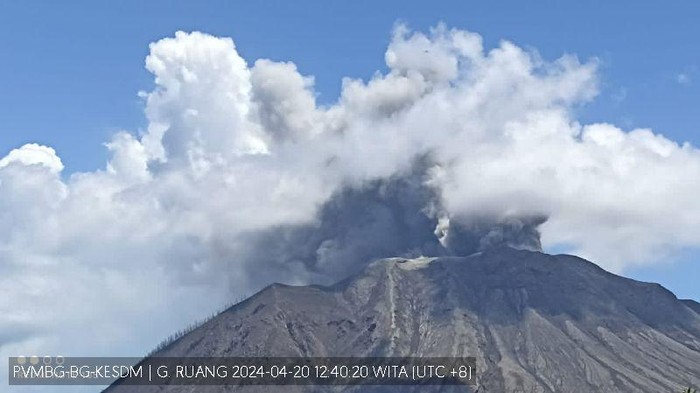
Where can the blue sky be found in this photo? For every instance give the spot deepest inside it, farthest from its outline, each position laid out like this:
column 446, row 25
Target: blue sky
column 70, row 72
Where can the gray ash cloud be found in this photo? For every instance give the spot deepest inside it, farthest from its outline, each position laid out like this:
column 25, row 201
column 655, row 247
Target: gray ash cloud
column 398, row 216
column 467, row 235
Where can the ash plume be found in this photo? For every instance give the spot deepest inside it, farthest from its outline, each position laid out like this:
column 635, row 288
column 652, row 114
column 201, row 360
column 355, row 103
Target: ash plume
column 385, row 217
column 400, row 216
column 466, row 235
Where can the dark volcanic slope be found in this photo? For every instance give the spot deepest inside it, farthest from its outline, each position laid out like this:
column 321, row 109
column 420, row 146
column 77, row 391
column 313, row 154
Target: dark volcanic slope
column 535, row 322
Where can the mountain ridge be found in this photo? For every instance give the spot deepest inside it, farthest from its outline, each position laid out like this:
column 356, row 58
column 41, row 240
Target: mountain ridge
column 535, row 322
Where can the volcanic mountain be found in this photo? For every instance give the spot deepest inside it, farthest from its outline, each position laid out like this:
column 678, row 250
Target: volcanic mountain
column 535, row 323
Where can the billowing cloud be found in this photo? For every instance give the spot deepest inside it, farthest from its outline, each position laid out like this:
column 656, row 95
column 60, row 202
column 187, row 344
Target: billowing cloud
column 241, row 179
column 33, row 154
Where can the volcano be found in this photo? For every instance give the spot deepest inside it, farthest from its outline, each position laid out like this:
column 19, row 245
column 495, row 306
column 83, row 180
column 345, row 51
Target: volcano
column 534, row 322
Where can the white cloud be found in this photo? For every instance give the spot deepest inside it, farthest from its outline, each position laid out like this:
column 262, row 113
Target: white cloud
column 33, row 154
column 150, row 243
column 683, row 79
column 202, row 100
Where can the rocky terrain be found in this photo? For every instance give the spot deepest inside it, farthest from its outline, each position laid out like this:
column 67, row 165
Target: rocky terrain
column 534, row 322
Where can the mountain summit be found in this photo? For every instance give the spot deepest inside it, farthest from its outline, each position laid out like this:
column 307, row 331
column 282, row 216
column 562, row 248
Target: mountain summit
column 534, row 322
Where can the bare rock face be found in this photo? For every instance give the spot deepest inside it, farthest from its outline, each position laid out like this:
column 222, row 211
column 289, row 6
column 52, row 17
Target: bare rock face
column 534, row 322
